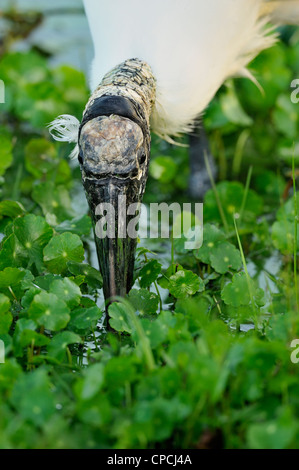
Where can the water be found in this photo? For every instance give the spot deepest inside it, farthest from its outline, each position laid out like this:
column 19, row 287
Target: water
column 64, row 32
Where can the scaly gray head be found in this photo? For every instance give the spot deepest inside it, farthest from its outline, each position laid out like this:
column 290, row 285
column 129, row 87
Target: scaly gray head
column 114, row 150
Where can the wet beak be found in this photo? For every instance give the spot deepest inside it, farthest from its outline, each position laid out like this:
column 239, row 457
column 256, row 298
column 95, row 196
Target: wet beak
column 114, row 163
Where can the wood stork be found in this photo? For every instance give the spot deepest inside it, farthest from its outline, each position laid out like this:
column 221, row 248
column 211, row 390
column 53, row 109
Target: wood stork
column 157, row 65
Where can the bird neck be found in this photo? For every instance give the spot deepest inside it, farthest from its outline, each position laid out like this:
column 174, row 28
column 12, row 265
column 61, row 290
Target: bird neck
column 132, row 80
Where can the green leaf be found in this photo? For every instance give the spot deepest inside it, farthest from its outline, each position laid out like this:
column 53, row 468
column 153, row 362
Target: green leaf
column 95, row 413
column 92, row 276
column 163, row 168
column 225, row 256
column 59, row 343
column 236, row 293
column 143, row 301
column 120, row 370
column 67, row 290
column 283, row 235
column 184, row 283
column 10, row 278
column 40, row 157
column 22, row 325
column 211, row 235
column 11, row 209
column 45, row 281
column 92, row 382
column 49, row 311
column 62, row 249
column 33, row 398
column 54, row 200
column 28, row 296
column 79, row 225
column 273, row 434
column 233, row 110
column 84, row 319
column 285, row 116
column 5, row 315
column 12, row 254
column 286, row 212
column 33, row 233
column 6, row 156
column 28, row 337
column 149, row 273
column 231, row 195
column 9, row 372
column 118, row 317
column 154, row 332
column 163, row 281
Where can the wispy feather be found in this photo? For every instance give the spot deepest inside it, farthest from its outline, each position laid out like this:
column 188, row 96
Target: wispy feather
column 65, row 128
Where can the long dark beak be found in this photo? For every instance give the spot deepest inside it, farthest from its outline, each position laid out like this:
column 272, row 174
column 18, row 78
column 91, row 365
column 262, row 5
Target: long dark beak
column 114, row 162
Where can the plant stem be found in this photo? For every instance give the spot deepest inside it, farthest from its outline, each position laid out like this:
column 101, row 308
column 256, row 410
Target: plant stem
column 16, row 187
column 237, row 160
column 69, row 356
column 248, row 180
column 248, row 279
column 159, row 295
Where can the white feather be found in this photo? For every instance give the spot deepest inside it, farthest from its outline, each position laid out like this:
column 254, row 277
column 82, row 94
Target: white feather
column 192, row 47
column 65, row 128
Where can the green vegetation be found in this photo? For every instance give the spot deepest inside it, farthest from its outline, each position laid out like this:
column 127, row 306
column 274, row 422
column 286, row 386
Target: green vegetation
column 209, row 365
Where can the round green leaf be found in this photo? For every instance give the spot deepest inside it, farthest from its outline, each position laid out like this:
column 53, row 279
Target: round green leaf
column 33, row 233
column 59, row 343
column 119, row 319
column 82, row 319
column 236, row 293
column 62, row 249
column 149, row 273
column 211, row 235
column 225, row 256
column 49, row 311
column 143, row 301
column 67, row 290
column 183, row 284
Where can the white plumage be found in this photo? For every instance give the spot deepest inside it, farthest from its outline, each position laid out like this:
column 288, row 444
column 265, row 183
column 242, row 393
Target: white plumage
column 192, row 46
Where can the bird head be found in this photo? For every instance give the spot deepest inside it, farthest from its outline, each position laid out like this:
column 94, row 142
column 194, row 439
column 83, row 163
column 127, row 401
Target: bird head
column 114, row 150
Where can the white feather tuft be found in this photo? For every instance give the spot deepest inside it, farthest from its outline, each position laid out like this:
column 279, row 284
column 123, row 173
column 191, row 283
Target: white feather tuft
column 65, row 128
column 75, row 153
